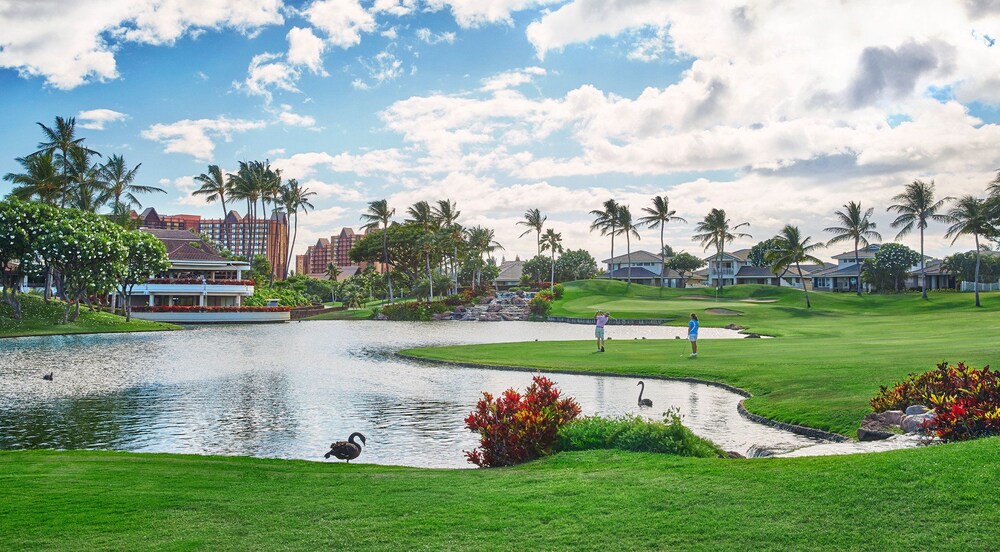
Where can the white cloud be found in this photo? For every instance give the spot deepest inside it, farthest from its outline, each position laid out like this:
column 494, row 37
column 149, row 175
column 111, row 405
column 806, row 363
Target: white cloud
column 304, row 165
column 275, row 152
column 267, row 72
column 431, row 37
column 294, row 119
column 398, row 8
column 475, row 13
column 97, row 119
column 305, row 48
column 36, row 43
column 511, row 79
column 342, row 21
column 382, row 68
column 196, row 137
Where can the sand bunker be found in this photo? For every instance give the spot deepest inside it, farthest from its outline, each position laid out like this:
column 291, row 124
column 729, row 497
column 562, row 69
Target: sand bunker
column 724, row 312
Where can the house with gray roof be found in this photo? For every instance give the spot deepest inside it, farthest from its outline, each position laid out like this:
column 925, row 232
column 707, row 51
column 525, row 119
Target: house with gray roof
column 642, row 268
column 510, row 273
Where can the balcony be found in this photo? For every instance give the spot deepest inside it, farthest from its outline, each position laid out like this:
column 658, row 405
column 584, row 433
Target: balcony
column 189, row 286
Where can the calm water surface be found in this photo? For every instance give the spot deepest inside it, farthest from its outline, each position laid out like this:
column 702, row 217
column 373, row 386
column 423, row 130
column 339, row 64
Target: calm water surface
column 288, row 390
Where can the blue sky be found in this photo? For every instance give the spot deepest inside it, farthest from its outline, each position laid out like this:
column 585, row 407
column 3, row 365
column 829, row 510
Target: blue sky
column 778, row 114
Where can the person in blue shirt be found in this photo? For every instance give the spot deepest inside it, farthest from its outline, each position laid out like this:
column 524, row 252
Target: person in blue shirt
column 693, row 334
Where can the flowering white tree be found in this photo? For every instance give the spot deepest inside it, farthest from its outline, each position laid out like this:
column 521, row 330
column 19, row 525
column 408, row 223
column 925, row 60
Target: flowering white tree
column 146, row 258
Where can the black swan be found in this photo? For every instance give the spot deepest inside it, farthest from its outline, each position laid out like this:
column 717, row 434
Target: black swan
column 346, row 450
column 642, row 401
column 47, row 377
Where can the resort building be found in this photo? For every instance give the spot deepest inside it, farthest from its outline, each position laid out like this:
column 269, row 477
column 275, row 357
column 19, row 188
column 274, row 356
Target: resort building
column 510, row 273
column 336, row 250
column 792, row 277
column 240, row 235
column 724, row 269
column 846, row 274
column 937, row 276
column 643, row 268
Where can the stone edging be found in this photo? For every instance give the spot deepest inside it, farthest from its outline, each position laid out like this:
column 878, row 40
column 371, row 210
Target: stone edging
column 797, row 429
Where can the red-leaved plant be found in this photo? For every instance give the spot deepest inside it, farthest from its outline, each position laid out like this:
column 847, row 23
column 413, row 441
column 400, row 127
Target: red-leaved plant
column 515, row 428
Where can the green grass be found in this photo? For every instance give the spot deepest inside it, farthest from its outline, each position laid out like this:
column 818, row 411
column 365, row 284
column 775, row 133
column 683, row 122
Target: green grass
column 939, row 498
column 364, row 313
column 39, row 318
column 826, row 364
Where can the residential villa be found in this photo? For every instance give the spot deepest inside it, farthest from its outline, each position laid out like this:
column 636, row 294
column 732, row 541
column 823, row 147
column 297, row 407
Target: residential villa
column 937, row 276
column 510, row 273
column 199, row 286
column 643, row 267
column 240, row 235
column 725, row 268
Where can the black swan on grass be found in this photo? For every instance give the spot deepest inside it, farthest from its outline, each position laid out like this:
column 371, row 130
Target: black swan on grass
column 642, row 401
column 347, row 450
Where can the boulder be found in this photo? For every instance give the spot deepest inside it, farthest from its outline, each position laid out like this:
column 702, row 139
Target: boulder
column 752, row 336
column 889, row 417
column 865, row 434
column 915, row 423
column 460, row 308
column 916, row 409
column 733, row 454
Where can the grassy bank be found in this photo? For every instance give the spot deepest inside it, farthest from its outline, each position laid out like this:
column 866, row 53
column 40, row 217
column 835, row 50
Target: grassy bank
column 901, row 500
column 363, row 313
column 827, row 364
column 39, row 318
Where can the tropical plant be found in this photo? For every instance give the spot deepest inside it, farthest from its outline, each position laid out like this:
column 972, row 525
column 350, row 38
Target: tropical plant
column 658, row 216
column 535, row 222
column 40, row 180
column 716, row 231
column 575, row 264
column 446, row 212
column 215, row 187
column 971, row 216
column 889, row 268
column 791, row 248
column 515, row 428
column 482, row 242
column 380, row 214
column 333, row 272
column 628, row 228
column 146, row 258
column 61, row 139
column 606, row 220
column 855, row 225
column 295, row 199
column 685, row 264
column 916, row 208
column 118, row 180
column 552, row 241
column 758, row 253
column 635, row 433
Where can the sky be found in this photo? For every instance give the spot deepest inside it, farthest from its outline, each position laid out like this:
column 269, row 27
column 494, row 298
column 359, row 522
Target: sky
column 777, row 112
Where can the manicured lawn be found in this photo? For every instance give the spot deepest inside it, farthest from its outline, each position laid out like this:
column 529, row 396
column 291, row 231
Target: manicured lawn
column 826, row 364
column 364, row 313
column 39, row 318
column 939, row 498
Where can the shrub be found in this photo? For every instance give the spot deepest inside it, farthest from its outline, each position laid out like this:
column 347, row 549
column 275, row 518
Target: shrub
column 539, row 305
column 545, row 294
column 515, row 428
column 558, row 290
column 637, row 434
column 966, row 400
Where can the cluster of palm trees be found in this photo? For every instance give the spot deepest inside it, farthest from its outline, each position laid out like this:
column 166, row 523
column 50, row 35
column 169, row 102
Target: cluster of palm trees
column 444, row 243
column 258, row 185
column 550, row 241
column 64, row 172
column 614, row 219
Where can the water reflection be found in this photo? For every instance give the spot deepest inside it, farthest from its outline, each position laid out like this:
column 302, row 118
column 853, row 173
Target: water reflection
column 289, row 390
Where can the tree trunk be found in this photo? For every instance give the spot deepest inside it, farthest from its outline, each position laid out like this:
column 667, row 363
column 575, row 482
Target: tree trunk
column 663, row 260
column 857, row 263
column 628, row 250
column 552, row 267
column 291, row 248
column 804, row 290
column 538, row 241
column 612, row 251
column 923, row 269
column 385, row 263
column 977, row 270
column 718, row 268
column 430, row 280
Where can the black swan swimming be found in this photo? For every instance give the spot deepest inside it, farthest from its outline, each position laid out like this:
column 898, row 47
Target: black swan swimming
column 347, row 450
column 48, row 377
column 642, row 401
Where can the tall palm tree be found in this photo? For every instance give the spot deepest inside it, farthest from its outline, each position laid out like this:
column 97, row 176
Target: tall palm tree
column 247, row 184
column 552, row 241
column 379, row 214
column 61, row 138
column 295, row 199
column 40, row 179
column 606, row 220
column 118, row 181
column 535, row 222
column 716, row 231
column 856, row 225
column 916, row 207
column 792, row 249
column 627, row 227
column 482, row 241
column 215, row 187
column 659, row 215
column 88, row 188
column 422, row 215
column 972, row 216
column 447, row 214
column 333, row 272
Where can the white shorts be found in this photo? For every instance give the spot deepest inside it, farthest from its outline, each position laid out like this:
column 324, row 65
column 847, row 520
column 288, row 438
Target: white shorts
column 693, row 337
column 599, row 333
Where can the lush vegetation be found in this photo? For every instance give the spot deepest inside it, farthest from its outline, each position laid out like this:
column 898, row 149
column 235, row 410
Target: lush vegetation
column 44, row 318
column 514, row 428
column 823, row 370
column 636, row 434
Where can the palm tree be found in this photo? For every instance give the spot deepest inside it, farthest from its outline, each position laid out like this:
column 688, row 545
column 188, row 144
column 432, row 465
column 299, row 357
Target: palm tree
column 606, row 221
column 295, row 199
column 378, row 214
column 552, row 241
column 62, row 138
column 534, row 220
column 854, row 225
column 89, row 191
column 482, row 241
column 118, row 181
column 447, row 214
column 422, row 215
column 40, row 179
column 916, row 206
column 333, row 272
column 716, row 231
column 627, row 227
column 972, row 216
column 215, row 187
column 246, row 184
column 791, row 248
column 658, row 216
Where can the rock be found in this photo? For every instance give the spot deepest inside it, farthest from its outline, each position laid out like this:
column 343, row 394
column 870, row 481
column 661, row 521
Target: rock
column 915, row 423
column 733, row 454
column 887, row 418
column 759, row 452
column 381, row 316
column 677, row 337
column 865, row 434
column 916, row 409
column 736, row 327
column 460, row 308
column 494, row 308
column 752, row 336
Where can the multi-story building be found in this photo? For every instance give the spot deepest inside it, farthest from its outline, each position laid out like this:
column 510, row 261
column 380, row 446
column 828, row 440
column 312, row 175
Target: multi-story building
column 336, row 250
column 240, row 235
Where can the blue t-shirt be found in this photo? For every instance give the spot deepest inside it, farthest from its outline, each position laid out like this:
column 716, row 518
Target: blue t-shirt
column 693, row 327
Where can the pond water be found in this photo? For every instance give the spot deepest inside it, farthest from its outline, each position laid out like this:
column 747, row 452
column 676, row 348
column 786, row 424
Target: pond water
column 288, row 390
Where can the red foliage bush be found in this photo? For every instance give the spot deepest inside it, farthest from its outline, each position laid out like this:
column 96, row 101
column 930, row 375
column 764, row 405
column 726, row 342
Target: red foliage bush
column 515, row 428
column 210, row 309
column 966, row 401
column 540, row 305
